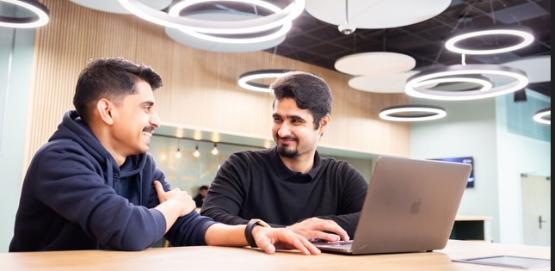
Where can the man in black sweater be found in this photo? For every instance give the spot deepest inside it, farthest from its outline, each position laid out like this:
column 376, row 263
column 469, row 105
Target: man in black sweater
column 291, row 185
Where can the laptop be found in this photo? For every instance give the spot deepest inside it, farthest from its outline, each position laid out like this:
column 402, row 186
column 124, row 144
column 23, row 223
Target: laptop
column 410, row 206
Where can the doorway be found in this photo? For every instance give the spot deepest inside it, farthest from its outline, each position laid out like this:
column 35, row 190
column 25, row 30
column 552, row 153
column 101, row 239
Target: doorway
column 536, row 213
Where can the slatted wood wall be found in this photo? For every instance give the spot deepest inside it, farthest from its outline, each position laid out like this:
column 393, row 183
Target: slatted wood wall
column 199, row 87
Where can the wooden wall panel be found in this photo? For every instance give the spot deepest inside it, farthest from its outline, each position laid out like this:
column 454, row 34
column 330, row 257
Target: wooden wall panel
column 200, row 87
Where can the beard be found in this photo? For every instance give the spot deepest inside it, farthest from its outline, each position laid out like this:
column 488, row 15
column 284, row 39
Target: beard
column 286, row 150
column 283, row 151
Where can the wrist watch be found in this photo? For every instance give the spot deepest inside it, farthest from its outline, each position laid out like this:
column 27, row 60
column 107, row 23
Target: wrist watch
column 250, row 226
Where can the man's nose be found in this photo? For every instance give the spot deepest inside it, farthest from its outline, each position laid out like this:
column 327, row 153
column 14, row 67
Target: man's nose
column 155, row 120
column 284, row 130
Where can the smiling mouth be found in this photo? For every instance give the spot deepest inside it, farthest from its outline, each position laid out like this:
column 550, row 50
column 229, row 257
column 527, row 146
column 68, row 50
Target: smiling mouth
column 148, row 131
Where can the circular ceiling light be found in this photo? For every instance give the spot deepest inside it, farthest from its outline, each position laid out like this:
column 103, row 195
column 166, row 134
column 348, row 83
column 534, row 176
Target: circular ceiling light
column 484, row 83
column 386, row 83
column 462, row 84
column 543, row 116
column 409, row 113
column 372, row 63
column 176, row 9
column 416, row 85
column 39, row 15
column 257, row 25
column 246, row 79
column 203, row 44
column 526, row 39
column 113, row 6
column 376, row 14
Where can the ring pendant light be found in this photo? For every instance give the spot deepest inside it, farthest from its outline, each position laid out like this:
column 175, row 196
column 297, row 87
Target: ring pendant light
column 517, row 78
column 421, row 113
column 39, row 11
column 246, row 79
column 176, row 9
column 526, row 39
column 518, row 81
column 543, row 116
column 289, row 13
column 485, row 84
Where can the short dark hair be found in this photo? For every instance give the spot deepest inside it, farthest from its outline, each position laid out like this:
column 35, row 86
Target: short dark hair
column 112, row 78
column 308, row 90
column 203, row 187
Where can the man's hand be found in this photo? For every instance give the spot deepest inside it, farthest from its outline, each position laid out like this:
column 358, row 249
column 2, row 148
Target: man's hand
column 324, row 229
column 268, row 239
column 179, row 198
column 173, row 204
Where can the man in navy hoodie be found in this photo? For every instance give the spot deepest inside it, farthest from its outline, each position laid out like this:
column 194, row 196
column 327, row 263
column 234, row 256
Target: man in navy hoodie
column 92, row 186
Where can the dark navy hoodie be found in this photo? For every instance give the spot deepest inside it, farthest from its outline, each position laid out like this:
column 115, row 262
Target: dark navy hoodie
column 75, row 196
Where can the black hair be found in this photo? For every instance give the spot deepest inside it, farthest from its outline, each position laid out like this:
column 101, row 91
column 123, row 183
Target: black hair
column 309, row 92
column 110, row 78
column 203, row 187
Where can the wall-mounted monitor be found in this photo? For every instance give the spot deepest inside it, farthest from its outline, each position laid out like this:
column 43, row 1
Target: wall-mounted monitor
column 464, row 160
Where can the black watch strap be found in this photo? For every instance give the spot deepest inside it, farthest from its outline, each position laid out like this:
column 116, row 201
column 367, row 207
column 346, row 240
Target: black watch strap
column 250, row 226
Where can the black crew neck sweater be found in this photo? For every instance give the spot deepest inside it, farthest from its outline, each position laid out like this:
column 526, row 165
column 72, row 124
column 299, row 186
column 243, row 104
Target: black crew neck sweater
column 256, row 184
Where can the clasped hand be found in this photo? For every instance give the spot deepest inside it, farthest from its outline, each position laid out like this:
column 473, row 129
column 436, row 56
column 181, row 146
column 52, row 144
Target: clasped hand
column 181, row 198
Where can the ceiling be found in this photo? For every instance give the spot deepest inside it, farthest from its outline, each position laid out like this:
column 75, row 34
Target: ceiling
column 319, row 43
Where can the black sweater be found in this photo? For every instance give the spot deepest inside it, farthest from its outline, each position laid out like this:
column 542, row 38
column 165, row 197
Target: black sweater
column 256, row 184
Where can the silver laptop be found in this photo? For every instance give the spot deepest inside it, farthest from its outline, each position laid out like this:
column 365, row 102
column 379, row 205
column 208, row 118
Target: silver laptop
column 410, row 206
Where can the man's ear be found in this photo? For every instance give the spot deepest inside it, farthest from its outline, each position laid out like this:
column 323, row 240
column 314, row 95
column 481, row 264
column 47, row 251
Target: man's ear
column 104, row 109
column 324, row 121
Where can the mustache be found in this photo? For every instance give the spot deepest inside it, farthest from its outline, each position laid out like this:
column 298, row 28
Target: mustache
column 287, row 138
